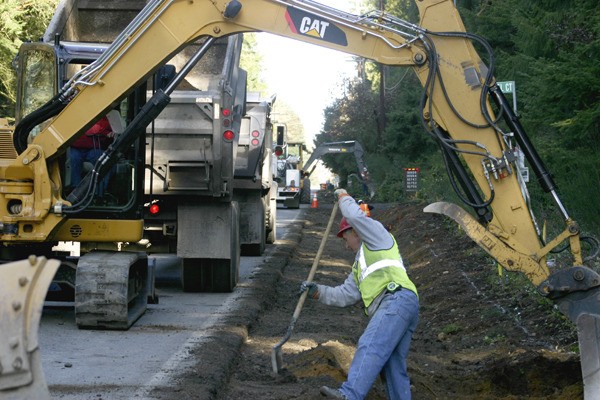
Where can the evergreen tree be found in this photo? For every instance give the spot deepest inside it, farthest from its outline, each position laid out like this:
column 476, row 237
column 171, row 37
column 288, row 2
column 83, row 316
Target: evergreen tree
column 19, row 21
column 11, row 29
column 251, row 61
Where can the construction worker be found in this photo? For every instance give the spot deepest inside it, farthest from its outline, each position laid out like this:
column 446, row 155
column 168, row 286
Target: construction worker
column 379, row 279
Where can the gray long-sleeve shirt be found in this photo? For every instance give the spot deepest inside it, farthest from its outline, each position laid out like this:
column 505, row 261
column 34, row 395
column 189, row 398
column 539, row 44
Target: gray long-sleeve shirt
column 374, row 236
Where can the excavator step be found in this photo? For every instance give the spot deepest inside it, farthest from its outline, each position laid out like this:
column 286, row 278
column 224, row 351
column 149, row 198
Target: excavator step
column 111, row 289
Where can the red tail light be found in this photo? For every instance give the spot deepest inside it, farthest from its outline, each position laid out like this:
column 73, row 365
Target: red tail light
column 228, row 135
column 154, row 209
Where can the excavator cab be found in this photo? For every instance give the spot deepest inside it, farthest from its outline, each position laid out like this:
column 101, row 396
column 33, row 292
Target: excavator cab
column 44, row 68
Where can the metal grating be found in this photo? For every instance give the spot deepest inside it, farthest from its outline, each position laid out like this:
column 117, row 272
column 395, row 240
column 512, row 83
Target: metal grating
column 7, row 149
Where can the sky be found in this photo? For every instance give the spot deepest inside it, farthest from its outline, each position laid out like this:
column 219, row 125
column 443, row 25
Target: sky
column 305, row 76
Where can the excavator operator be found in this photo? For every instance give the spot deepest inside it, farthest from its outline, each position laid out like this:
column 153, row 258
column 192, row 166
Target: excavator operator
column 89, row 147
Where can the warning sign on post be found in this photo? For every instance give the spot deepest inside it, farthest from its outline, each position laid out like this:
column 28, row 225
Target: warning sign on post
column 411, row 179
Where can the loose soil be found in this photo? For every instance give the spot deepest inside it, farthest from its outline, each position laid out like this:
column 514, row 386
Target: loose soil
column 483, row 333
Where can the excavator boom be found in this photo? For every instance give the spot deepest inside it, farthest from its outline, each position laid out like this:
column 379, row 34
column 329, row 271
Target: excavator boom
column 458, row 101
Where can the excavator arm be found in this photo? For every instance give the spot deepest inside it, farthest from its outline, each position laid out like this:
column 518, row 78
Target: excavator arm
column 458, row 103
column 345, row 147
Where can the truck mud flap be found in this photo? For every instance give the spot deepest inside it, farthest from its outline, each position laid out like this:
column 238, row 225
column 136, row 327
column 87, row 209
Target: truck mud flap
column 23, row 286
column 111, row 290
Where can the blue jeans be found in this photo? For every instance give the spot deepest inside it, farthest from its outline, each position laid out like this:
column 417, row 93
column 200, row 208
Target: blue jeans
column 77, row 158
column 384, row 346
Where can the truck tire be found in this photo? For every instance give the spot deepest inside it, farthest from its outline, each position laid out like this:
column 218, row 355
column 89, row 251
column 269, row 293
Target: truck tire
column 225, row 276
column 254, row 249
column 191, row 275
column 209, row 275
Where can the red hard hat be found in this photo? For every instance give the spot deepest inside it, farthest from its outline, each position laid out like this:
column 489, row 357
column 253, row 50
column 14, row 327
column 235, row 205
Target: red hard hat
column 344, row 226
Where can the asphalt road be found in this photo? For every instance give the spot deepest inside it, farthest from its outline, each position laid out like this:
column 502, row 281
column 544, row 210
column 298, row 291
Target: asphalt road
column 99, row 364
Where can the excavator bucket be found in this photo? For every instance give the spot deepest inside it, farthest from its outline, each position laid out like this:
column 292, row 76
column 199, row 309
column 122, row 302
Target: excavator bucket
column 23, row 287
column 583, row 308
column 588, row 331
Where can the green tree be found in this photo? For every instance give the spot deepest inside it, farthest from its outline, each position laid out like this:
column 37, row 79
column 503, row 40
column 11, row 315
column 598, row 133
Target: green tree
column 251, row 61
column 352, row 117
column 11, row 29
column 19, row 21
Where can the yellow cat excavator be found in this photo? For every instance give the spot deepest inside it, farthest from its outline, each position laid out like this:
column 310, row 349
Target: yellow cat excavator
column 462, row 108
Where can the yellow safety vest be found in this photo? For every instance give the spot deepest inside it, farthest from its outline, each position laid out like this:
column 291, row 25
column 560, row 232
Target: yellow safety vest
column 377, row 270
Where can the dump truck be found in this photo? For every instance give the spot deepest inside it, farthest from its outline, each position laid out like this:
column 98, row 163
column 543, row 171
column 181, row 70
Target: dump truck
column 292, row 188
column 462, row 108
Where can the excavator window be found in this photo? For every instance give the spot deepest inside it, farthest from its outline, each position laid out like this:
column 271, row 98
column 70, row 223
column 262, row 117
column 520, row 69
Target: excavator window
column 37, row 65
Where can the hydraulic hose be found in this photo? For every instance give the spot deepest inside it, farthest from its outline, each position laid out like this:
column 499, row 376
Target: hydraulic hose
column 30, row 121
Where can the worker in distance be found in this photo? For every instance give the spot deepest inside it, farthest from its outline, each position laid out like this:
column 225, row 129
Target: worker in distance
column 378, row 279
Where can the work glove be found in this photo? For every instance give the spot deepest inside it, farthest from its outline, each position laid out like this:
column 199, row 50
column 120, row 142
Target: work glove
column 340, row 192
column 311, row 288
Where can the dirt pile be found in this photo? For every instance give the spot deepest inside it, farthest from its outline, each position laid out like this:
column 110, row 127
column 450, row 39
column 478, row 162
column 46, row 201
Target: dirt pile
column 481, row 335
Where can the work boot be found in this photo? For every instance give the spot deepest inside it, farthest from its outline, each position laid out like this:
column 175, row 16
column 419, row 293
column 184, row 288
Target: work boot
column 332, row 393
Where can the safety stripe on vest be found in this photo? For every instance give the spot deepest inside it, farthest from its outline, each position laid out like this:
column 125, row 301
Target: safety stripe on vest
column 364, row 272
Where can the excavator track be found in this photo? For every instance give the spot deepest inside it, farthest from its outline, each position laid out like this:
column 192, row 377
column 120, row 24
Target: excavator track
column 23, row 286
column 111, row 289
